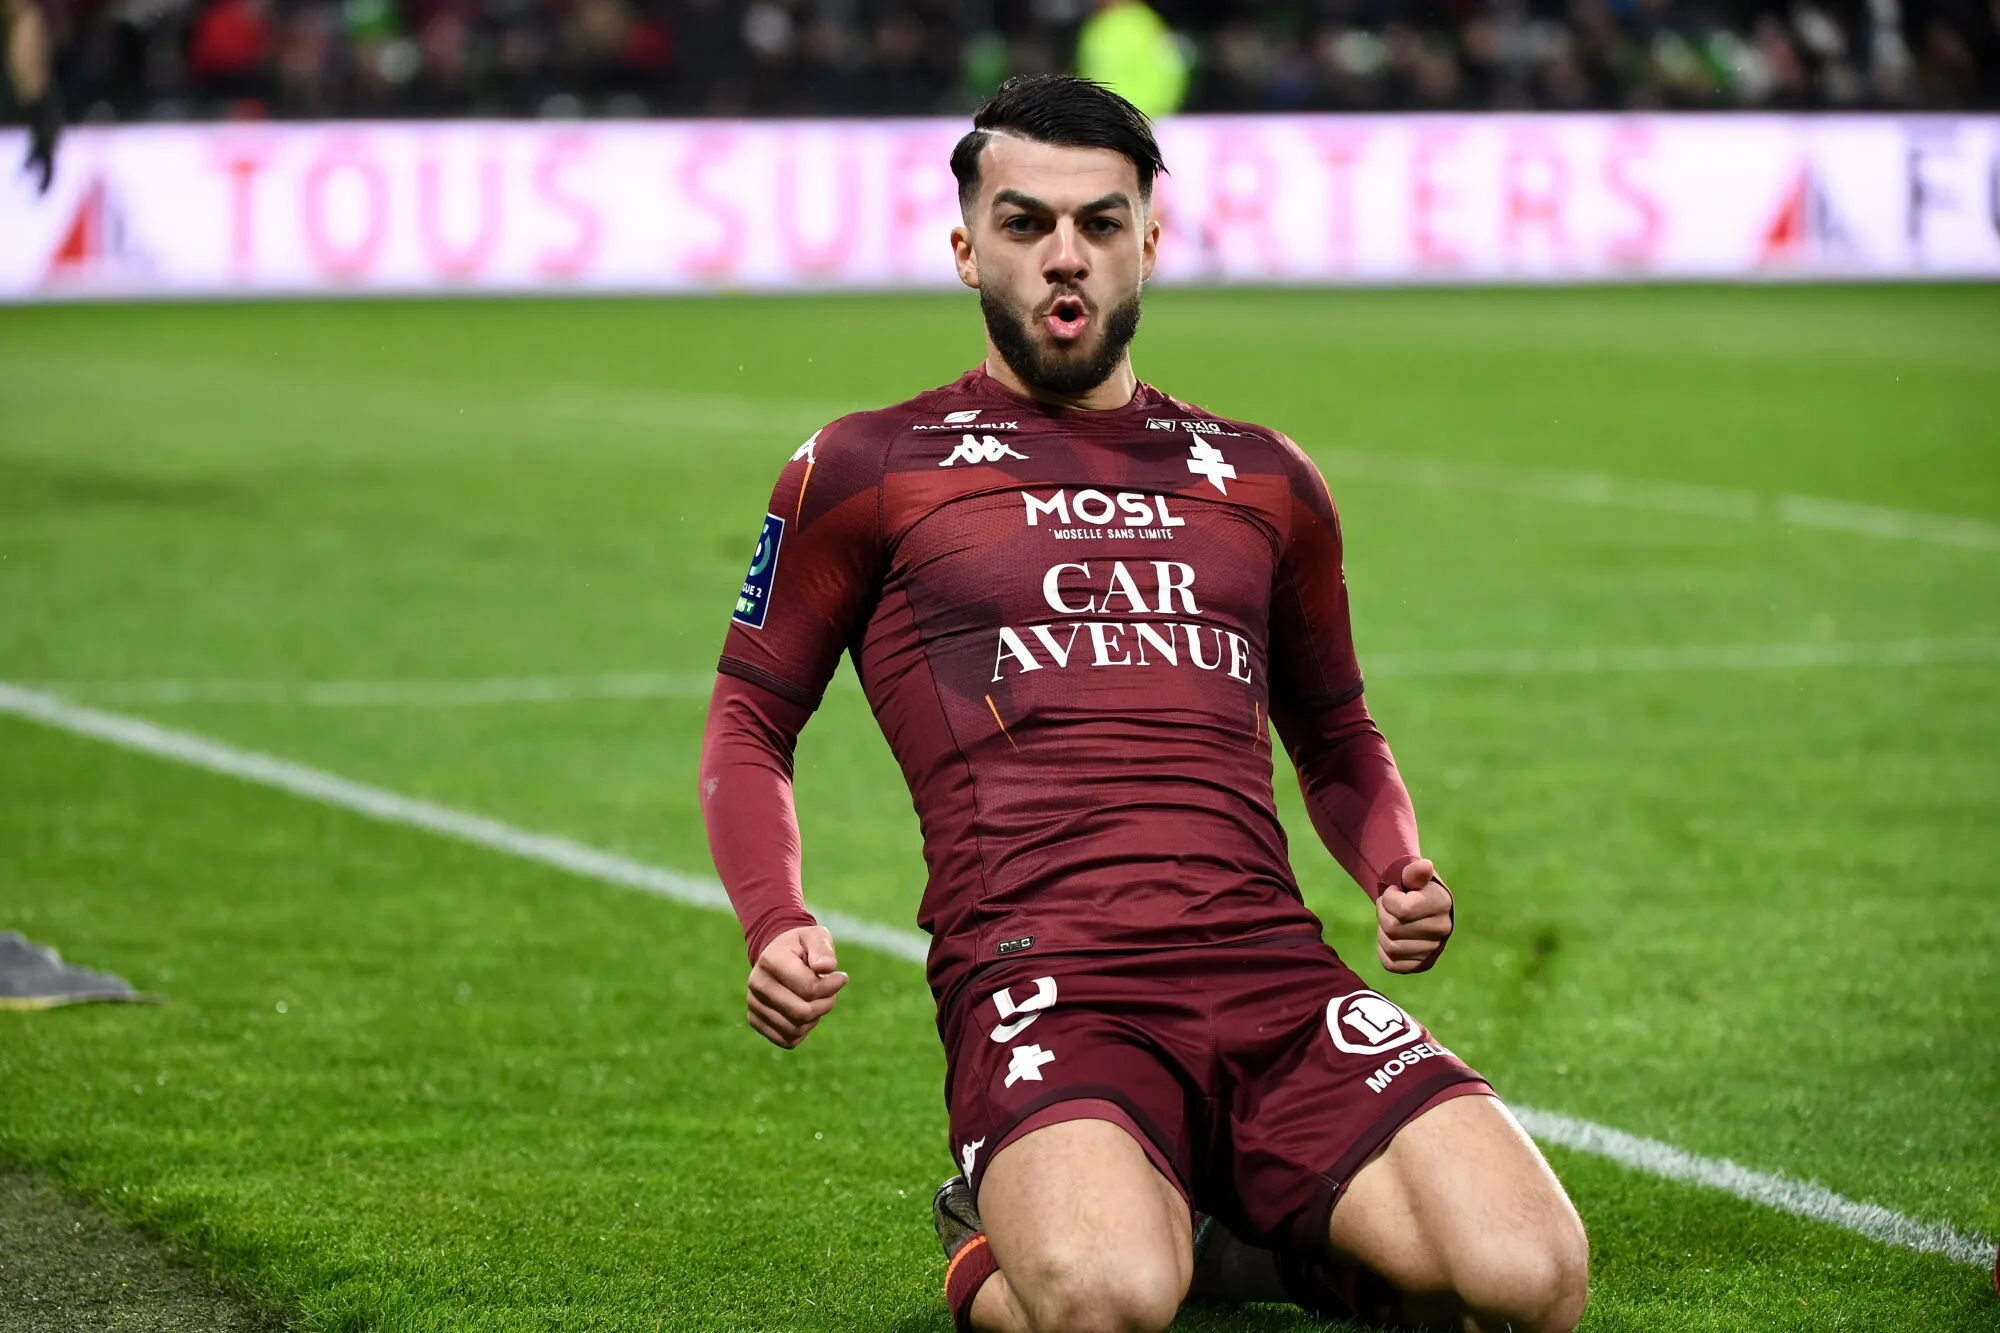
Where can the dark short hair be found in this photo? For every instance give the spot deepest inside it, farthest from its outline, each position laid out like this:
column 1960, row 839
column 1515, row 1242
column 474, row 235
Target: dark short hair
column 1058, row 109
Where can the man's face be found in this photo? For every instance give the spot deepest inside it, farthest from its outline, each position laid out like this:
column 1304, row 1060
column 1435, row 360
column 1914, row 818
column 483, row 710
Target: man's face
column 1058, row 244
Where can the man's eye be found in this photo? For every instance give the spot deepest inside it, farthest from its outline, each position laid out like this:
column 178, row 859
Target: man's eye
column 1019, row 224
column 1102, row 226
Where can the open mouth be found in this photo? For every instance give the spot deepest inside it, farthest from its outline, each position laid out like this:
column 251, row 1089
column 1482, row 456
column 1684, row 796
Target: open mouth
column 1067, row 318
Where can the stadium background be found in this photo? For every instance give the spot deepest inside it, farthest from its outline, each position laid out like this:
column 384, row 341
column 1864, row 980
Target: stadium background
column 1677, row 602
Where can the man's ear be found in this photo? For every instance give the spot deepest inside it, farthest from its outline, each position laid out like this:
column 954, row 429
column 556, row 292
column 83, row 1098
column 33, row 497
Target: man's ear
column 1149, row 248
column 964, row 257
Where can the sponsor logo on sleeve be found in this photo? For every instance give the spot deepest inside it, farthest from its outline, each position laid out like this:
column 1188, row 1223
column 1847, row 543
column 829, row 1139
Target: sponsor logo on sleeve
column 755, row 599
column 1365, row 1023
column 805, row 450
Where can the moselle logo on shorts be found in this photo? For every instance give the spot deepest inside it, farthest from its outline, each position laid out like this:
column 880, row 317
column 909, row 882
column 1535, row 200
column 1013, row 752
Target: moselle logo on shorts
column 1365, row 1023
column 1401, row 1060
column 755, row 598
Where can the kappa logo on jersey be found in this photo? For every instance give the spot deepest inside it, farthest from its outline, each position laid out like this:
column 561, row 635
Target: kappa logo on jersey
column 973, row 449
column 1208, row 462
column 1003, row 1000
column 1365, row 1023
column 755, row 598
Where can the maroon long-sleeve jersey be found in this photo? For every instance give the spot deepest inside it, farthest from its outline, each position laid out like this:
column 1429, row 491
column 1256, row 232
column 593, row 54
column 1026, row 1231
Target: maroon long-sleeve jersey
column 1074, row 629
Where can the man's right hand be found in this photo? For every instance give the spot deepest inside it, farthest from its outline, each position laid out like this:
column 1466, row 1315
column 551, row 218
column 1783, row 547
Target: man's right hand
column 794, row 985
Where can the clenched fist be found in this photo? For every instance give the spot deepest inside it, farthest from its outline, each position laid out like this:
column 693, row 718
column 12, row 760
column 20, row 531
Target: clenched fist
column 1413, row 922
column 794, row 984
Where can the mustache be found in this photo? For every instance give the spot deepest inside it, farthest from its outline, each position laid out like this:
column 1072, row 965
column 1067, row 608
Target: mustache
column 1062, row 294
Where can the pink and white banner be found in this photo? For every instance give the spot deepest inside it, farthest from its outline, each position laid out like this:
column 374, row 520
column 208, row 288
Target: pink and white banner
column 684, row 206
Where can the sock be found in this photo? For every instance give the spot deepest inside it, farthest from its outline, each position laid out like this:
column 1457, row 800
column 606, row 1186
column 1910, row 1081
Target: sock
column 1331, row 1290
column 964, row 1276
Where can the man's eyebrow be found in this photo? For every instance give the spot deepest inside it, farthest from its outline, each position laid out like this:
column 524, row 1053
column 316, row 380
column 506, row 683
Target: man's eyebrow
column 1020, row 199
column 1116, row 199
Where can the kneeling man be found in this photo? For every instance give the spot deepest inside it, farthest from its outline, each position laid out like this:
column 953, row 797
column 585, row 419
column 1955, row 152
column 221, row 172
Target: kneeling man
column 1078, row 606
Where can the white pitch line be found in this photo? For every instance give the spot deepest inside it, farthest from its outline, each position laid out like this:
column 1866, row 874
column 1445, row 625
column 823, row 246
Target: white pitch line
column 393, row 808
column 1689, row 657
column 1799, row 1198
column 664, row 685
column 1600, row 488
column 398, row 693
column 673, row 411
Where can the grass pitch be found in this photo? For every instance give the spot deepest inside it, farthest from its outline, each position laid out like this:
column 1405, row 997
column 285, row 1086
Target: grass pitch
column 407, row 1084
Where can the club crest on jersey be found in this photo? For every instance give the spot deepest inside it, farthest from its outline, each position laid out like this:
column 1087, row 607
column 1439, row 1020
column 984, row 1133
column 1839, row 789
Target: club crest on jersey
column 755, row 599
column 1365, row 1023
column 1207, row 461
column 975, row 449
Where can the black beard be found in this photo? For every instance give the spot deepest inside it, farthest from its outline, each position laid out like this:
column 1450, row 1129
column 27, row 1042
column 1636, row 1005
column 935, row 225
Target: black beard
column 1012, row 331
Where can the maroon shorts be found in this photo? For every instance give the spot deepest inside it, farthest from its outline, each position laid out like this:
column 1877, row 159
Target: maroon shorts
column 1258, row 1077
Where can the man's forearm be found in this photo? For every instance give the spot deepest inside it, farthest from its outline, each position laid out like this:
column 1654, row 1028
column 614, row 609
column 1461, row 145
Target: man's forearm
column 746, row 803
column 1358, row 803
column 27, row 51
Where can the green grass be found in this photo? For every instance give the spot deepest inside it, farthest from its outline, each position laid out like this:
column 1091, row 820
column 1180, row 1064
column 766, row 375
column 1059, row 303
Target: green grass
column 1751, row 913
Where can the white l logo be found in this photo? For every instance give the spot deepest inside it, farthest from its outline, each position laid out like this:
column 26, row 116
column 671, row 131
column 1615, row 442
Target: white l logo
column 1003, row 1000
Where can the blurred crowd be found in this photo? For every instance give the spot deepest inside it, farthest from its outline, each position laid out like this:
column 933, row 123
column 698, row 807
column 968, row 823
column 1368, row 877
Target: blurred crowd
column 181, row 59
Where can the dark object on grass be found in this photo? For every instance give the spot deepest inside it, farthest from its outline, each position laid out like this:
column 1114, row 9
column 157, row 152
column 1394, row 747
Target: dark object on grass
column 34, row 977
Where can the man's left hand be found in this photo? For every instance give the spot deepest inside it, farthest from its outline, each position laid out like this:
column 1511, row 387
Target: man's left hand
column 1414, row 921
column 44, row 128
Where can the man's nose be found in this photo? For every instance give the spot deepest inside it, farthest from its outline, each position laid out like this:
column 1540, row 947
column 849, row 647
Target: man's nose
column 1066, row 261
